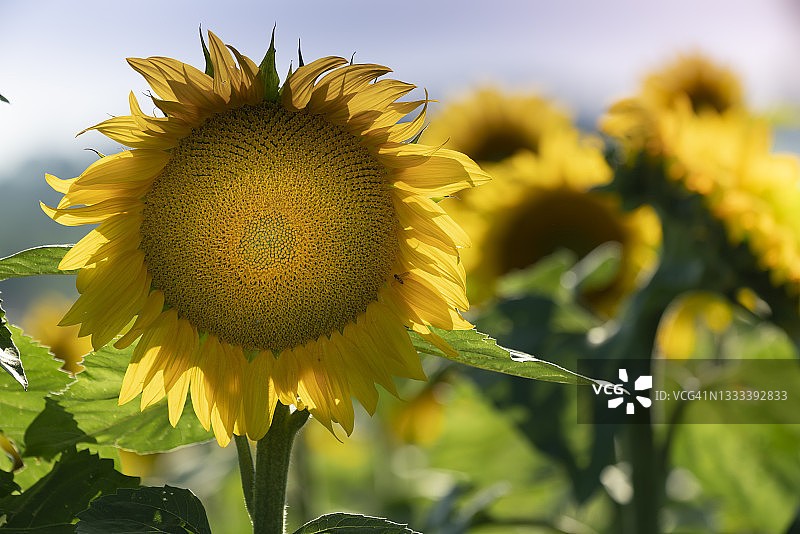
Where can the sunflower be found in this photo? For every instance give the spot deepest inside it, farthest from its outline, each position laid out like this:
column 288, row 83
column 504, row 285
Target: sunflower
column 727, row 159
column 722, row 153
column 692, row 118
column 690, row 84
column 690, row 312
column 541, row 199
column 266, row 247
column 490, row 127
column 696, row 81
column 41, row 322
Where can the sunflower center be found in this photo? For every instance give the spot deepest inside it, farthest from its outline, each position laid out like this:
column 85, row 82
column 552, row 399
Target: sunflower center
column 269, row 228
column 501, row 142
column 704, row 95
column 560, row 218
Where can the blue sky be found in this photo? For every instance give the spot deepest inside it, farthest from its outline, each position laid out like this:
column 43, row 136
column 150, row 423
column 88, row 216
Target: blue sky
column 62, row 63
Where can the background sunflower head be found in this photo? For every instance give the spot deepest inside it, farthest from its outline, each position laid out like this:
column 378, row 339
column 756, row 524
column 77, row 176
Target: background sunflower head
column 691, row 84
column 540, row 199
column 490, row 126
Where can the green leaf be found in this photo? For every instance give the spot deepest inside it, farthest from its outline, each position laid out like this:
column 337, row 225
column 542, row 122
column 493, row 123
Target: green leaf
column 598, row 269
column 88, row 412
column 53, row 431
column 7, row 484
column 9, row 353
column 3, row 99
column 19, row 408
column 300, row 62
column 543, row 278
column 145, row 510
column 34, row 261
column 209, row 65
column 55, row 499
column 340, row 523
column 269, row 73
column 479, row 350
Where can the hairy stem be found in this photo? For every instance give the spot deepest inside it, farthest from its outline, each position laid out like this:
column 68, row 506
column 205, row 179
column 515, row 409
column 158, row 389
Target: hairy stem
column 246, row 470
column 272, row 469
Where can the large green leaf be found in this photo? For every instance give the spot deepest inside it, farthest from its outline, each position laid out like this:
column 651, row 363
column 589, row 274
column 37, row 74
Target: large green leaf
column 88, row 412
column 10, row 361
column 145, row 510
column 479, row 350
column 19, row 408
column 340, row 523
column 54, row 500
column 34, row 261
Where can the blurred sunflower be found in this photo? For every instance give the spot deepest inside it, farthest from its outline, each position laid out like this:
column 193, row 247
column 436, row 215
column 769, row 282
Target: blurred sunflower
column 705, row 140
column 541, row 198
column 690, row 84
column 490, row 126
column 696, row 81
column 270, row 251
column 755, row 193
column 41, row 323
column 677, row 332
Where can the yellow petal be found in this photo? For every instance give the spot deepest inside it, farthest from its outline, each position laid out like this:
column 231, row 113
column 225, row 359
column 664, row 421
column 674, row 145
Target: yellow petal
column 416, row 254
column 96, row 213
column 358, row 371
column 298, row 88
column 104, row 286
column 443, row 173
column 452, row 293
column 418, row 301
column 126, row 166
column 258, row 394
column 178, row 370
column 399, row 132
column 149, row 312
column 121, row 228
column 159, row 71
column 426, row 218
column 144, row 355
column 62, row 186
column 121, row 306
column 336, row 87
column 366, row 353
column 127, row 131
column 393, row 341
column 202, row 379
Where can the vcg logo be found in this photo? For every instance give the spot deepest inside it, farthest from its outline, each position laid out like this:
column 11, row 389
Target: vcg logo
column 642, row 383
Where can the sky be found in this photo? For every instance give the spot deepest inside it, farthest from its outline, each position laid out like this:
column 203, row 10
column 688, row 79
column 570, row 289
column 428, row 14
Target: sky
column 62, row 64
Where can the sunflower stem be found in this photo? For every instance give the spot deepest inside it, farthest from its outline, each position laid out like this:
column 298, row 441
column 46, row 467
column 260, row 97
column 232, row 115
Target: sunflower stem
column 272, row 469
column 246, row 470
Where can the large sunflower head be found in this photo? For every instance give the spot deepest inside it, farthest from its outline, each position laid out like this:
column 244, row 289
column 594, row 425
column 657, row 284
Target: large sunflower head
column 540, row 199
column 266, row 246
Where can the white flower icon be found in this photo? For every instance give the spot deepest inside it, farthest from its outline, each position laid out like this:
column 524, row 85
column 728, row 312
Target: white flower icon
column 642, row 383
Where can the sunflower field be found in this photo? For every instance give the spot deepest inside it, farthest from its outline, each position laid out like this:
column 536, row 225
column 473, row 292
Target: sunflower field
column 504, row 319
